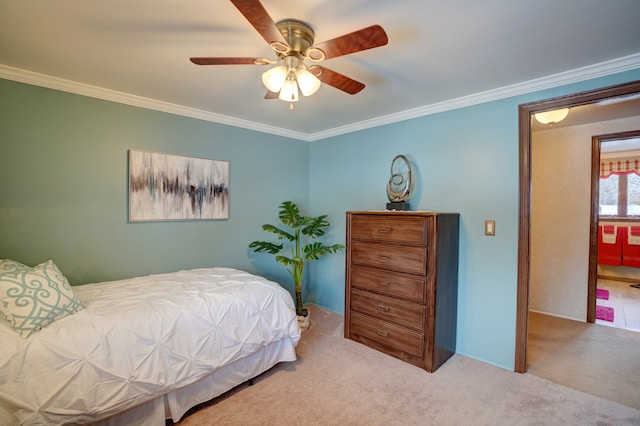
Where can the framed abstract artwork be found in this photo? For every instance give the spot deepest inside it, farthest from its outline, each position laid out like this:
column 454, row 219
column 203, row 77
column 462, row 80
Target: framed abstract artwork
column 173, row 187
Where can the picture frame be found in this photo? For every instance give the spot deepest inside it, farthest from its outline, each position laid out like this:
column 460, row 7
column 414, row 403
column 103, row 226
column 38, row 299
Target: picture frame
column 168, row 187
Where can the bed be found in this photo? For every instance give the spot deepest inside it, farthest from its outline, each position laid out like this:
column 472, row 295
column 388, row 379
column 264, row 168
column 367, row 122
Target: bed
column 142, row 350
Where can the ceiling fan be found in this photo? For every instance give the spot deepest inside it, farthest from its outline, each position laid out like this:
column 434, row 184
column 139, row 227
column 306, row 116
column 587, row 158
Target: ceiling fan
column 293, row 42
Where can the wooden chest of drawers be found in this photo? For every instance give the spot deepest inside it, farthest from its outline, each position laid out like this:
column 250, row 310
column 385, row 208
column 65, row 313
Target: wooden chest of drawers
column 402, row 284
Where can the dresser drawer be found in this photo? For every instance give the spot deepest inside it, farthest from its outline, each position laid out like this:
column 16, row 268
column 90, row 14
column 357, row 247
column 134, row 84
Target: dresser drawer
column 394, row 284
column 388, row 334
column 408, row 230
column 396, row 311
column 411, row 259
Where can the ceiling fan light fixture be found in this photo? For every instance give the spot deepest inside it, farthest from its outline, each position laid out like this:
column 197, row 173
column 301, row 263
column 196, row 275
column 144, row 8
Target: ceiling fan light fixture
column 274, row 78
column 307, row 82
column 293, row 42
column 289, row 91
column 552, row 117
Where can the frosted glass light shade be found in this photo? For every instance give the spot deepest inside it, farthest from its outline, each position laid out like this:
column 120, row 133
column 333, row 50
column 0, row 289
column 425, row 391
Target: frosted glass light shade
column 289, row 91
column 274, row 78
column 307, row 82
column 550, row 117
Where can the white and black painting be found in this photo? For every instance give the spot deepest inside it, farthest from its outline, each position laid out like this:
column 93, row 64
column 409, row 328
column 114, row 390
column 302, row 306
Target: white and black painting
column 173, row 187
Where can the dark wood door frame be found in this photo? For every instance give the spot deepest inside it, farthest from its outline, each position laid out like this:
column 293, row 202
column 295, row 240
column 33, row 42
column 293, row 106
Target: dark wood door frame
column 525, row 112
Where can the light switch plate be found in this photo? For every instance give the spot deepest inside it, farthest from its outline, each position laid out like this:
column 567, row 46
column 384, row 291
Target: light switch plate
column 489, row 227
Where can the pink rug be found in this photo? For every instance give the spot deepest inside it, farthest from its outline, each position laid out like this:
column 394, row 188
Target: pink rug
column 602, row 294
column 604, row 313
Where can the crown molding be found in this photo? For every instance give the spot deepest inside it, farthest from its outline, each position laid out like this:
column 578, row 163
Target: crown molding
column 602, row 69
column 625, row 63
column 42, row 80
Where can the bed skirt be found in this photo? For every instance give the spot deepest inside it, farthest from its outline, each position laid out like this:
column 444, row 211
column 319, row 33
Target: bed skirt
column 175, row 404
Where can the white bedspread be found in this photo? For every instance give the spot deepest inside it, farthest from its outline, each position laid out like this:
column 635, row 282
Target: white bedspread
column 138, row 339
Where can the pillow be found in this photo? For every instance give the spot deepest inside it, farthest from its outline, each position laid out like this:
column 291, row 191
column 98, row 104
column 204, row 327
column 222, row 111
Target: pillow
column 32, row 298
column 8, row 265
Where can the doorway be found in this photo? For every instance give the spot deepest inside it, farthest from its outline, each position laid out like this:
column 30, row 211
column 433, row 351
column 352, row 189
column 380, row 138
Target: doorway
column 525, row 119
column 616, row 172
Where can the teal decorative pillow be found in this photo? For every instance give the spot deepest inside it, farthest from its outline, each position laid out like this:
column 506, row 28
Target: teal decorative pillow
column 32, row 298
column 8, row 265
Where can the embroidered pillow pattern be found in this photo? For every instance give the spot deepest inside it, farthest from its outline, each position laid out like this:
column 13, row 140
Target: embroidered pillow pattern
column 32, row 298
column 8, row 265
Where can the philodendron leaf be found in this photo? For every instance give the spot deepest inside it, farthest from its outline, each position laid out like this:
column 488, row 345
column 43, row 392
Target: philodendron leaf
column 260, row 246
column 290, row 214
column 314, row 225
column 317, row 250
column 281, row 233
column 285, row 261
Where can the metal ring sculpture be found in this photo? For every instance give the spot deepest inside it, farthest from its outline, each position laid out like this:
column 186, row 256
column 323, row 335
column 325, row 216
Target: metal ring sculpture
column 399, row 185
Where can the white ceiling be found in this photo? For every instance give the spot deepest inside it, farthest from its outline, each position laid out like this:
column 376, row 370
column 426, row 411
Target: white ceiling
column 441, row 54
column 620, row 145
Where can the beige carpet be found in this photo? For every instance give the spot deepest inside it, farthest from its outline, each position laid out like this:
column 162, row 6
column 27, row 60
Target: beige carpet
column 597, row 359
column 339, row 382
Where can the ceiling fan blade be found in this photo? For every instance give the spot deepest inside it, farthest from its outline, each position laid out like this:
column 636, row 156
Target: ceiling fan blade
column 337, row 80
column 271, row 95
column 366, row 38
column 226, row 61
column 259, row 18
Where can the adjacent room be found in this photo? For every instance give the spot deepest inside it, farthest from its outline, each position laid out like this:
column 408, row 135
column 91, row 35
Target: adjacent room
column 618, row 280
column 276, row 212
column 580, row 168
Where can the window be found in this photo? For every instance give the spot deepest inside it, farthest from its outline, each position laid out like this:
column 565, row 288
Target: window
column 620, row 195
column 619, row 189
column 609, row 196
column 633, row 195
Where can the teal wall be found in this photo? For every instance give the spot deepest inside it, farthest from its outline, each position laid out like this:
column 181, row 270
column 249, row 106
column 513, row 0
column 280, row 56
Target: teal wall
column 63, row 187
column 465, row 161
column 63, row 194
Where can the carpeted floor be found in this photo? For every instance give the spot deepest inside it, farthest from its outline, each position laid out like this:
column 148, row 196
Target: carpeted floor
column 339, row 382
column 603, row 361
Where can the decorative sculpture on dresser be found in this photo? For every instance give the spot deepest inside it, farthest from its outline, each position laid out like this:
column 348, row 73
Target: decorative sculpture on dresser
column 400, row 183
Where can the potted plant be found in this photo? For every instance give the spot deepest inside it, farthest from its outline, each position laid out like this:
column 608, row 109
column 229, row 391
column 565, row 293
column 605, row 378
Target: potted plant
column 297, row 249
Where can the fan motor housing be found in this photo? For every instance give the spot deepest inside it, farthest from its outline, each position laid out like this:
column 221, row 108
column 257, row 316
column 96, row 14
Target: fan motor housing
column 298, row 34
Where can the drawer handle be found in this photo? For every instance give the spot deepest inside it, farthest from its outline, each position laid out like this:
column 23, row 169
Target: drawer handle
column 384, row 230
column 382, row 333
column 383, row 308
column 384, row 256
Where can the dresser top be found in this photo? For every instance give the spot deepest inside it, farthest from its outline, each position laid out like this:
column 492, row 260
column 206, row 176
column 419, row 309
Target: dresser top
column 400, row 212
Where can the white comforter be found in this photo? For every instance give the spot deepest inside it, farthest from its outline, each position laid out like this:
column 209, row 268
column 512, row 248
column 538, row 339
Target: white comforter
column 138, row 339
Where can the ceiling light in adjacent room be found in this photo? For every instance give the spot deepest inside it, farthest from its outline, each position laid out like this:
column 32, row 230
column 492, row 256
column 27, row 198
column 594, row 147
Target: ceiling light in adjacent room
column 552, row 117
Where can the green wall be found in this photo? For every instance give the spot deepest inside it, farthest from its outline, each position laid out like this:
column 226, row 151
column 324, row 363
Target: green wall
column 63, row 194
column 63, row 187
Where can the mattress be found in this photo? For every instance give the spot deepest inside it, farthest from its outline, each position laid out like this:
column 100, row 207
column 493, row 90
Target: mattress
column 140, row 339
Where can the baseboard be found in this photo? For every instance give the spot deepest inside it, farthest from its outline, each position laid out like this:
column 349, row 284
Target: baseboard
column 558, row 316
column 621, row 279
